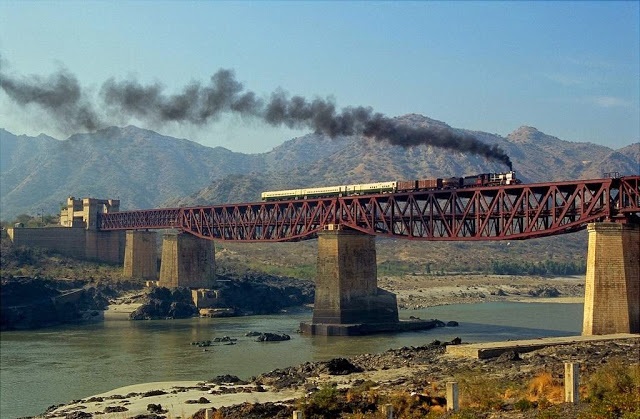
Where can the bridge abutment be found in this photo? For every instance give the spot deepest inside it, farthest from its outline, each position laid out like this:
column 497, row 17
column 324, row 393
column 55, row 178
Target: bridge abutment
column 348, row 300
column 612, row 292
column 141, row 255
column 187, row 261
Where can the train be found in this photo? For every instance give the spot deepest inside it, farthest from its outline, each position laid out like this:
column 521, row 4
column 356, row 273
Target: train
column 479, row 180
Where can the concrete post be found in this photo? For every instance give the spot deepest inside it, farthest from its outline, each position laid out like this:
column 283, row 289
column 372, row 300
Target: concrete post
column 387, row 411
column 141, row 255
column 208, row 414
column 612, row 291
column 187, row 261
column 452, row 396
column 571, row 382
column 297, row 414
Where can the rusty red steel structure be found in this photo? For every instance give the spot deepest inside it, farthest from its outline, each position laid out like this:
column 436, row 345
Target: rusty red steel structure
column 486, row 213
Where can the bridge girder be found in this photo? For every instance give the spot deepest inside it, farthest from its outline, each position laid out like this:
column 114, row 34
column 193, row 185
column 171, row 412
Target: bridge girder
column 489, row 213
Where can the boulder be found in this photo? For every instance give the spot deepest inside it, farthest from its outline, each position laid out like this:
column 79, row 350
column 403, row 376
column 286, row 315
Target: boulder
column 272, row 337
column 340, row 366
column 509, row 356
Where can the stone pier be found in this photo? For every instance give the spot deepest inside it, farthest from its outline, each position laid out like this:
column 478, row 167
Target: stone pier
column 612, row 292
column 348, row 300
column 187, row 261
column 141, row 255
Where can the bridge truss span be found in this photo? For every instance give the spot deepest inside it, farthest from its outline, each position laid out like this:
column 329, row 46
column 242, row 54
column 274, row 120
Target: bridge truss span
column 488, row 213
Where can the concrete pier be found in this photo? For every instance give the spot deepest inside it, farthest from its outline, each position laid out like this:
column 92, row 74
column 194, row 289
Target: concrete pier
column 105, row 246
column 348, row 300
column 187, row 261
column 141, row 255
column 612, row 292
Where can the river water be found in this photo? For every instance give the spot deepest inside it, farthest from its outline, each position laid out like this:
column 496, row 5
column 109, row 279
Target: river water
column 56, row 365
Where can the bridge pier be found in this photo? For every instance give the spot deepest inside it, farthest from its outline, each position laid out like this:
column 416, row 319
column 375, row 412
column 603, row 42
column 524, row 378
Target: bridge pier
column 141, row 255
column 104, row 246
column 187, row 261
column 612, row 292
column 348, row 300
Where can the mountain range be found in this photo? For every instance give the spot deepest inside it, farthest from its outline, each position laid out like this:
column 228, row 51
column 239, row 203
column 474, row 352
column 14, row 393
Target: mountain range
column 145, row 169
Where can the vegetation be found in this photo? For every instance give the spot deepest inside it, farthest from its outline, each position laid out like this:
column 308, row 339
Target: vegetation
column 31, row 221
column 611, row 391
column 547, row 267
column 552, row 256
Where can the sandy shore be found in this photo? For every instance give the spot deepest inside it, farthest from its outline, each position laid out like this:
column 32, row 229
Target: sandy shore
column 120, row 311
column 420, row 291
column 177, row 395
column 173, row 397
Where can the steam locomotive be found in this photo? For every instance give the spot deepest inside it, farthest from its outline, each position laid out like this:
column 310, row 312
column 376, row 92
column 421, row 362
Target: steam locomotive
column 483, row 179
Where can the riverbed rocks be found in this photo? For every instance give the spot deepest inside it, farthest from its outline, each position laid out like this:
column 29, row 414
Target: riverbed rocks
column 263, row 294
column 340, row 366
column 227, row 379
column 164, row 303
column 272, row 337
column 544, row 292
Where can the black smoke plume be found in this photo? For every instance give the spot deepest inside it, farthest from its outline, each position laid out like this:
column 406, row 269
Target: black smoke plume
column 199, row 104
column 59, row 94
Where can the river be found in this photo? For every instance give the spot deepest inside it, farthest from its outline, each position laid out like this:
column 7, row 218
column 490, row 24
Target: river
column 56, row 365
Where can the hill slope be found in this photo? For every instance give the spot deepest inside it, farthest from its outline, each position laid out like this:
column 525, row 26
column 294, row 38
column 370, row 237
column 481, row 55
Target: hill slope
column 536, row 156
column 145, row 169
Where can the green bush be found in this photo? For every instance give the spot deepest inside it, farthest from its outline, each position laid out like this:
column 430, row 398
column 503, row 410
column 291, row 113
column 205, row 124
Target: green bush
column 524, row 404
column 478, row 390
column 613, row 391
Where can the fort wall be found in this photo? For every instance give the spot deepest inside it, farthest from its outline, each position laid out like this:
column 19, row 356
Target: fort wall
column 67, row 241
column 103, row 246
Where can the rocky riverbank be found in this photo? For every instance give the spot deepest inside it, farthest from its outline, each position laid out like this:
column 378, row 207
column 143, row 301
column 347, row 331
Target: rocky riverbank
column 412, row 379
column 32, row 303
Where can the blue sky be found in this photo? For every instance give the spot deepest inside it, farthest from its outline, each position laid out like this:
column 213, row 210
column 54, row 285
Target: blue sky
column 570, row 69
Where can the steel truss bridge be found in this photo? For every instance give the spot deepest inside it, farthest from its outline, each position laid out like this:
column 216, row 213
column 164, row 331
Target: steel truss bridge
column 486, row 213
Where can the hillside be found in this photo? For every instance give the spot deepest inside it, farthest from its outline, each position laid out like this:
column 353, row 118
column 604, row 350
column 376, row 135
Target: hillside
column 537, row 157
column 145, row 169
column 141, row 168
